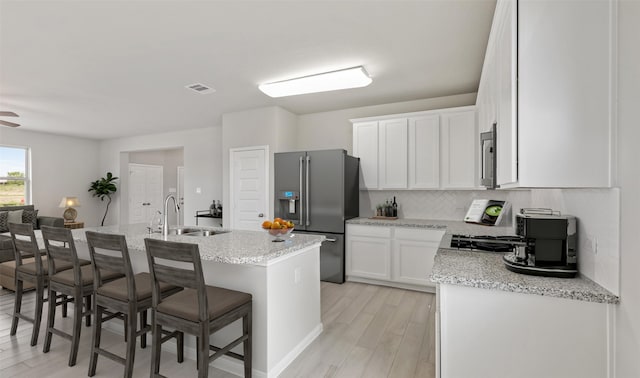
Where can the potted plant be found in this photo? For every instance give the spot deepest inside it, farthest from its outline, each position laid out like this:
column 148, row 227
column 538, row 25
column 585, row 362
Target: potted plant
column 102, row 188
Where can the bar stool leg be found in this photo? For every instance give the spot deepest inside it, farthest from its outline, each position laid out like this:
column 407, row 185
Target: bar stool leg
column 143, row 325
column 17, row 306
column 203, row 349
column 246, row 329
column 77, row 324
column 65, row 307
column 88, row 307
column 156, row 342
column 180, row 346
column 95, row 344
column 37, row 318
column 131, row 343
column 53, row 296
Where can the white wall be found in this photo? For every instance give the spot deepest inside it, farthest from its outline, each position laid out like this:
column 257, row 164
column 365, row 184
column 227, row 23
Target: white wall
column 598, row 218
column 61, row 166
column 271, row 126
column 627, row 320
column 330, row 130
column 202, row 164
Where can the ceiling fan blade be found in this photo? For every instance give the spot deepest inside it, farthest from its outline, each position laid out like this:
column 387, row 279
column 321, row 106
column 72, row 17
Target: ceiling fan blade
column 10, row 124
column 8, row 114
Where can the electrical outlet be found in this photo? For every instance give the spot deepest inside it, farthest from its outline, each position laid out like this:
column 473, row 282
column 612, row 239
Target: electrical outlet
column 198, row 190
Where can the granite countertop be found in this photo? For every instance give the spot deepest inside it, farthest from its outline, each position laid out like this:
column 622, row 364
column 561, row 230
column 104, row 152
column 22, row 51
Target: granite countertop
column 234, row 247
column 486, row 270
column 416, row 223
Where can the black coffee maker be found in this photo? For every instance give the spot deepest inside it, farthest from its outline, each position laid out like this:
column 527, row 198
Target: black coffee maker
column 549, row 244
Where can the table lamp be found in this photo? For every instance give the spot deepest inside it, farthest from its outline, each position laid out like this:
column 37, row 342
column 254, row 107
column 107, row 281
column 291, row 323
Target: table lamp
column 70, row 213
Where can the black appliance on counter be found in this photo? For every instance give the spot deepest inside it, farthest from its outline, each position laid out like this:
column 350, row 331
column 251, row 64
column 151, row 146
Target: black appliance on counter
column 550, row 244
column 544, row 245
column 318, row 191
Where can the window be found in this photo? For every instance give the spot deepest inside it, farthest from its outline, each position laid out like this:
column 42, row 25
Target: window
column 15, row 180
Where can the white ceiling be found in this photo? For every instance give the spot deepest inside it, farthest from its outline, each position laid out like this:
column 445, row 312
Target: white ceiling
column 104, row 69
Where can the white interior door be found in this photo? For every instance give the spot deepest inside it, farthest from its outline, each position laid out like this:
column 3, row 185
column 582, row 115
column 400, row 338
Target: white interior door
column 180, row 186
column 249, row 192
column 145, row 192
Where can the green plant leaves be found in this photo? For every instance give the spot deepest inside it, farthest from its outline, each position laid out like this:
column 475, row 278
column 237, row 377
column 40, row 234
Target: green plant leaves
column 104, row 187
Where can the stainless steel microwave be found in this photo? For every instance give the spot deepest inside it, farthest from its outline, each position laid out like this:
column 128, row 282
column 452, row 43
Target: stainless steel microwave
column 488, row 152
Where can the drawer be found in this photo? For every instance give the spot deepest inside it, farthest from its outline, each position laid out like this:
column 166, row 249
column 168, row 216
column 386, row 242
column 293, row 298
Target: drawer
column 420, row 234
column 370, row 231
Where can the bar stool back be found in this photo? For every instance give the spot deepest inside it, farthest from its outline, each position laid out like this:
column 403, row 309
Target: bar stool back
column 76, row 283
column 128, row 296
column 25, row 246
column 199, row 310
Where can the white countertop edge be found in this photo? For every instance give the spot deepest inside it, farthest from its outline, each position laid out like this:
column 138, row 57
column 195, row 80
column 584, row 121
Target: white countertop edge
column 279, row 259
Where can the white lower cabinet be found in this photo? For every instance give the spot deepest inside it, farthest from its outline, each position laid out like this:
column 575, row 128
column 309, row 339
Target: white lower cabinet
column 492, row 333
column 392, row 256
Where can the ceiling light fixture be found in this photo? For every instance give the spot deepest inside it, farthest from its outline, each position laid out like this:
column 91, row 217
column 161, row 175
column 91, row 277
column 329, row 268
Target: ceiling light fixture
column 355, row 77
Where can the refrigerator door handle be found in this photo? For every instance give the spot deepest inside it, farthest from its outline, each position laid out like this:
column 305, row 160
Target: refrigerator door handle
column 302, row 196
column 308, row 191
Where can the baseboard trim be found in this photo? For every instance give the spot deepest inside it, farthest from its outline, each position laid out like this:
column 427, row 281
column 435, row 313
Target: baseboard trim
column 425, row 289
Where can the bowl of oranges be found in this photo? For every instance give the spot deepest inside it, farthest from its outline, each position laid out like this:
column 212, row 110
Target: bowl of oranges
column 278, row 228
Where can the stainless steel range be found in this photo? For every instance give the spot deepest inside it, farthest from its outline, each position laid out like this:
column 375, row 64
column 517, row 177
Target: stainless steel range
column 486, row 243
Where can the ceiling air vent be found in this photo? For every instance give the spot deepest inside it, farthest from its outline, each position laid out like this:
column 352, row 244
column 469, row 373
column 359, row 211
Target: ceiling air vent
column 200, row 88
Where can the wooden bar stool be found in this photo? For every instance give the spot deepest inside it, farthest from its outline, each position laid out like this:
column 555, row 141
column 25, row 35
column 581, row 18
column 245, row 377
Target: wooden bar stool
column 76, row 283
column 34, row 272
column 25, row 246
column 199, row 310
column 128, row 296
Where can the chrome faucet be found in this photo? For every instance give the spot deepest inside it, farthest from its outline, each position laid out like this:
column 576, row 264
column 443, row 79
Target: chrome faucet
column 165, row 224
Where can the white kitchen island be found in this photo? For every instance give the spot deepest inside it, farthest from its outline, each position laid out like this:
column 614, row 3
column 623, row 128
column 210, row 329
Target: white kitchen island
column 284, row 279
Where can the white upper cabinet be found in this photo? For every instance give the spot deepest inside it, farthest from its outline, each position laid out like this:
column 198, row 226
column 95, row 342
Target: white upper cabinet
column 460, row 145
column 424, row 152
column 436, row 149
column 547, row 81
column 566, row 77
column 393, row 154
column 506, row 68
column 365, row 146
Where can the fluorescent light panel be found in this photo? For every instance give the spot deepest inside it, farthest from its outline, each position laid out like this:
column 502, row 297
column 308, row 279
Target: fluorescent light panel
column 355, row 77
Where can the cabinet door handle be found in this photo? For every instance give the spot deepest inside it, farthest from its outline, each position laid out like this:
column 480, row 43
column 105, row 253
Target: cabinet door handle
column 308, row 223
column 302, row 194
column 331, row 240
column 260, row 215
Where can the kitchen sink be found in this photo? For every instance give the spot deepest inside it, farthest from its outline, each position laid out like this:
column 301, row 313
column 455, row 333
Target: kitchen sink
column 191, row 231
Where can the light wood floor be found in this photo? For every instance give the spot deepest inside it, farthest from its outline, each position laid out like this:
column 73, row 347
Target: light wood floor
column 369, row 331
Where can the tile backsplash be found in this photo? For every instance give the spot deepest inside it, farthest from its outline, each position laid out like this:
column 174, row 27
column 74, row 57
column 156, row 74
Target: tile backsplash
column 438, row 204
column 598, row 215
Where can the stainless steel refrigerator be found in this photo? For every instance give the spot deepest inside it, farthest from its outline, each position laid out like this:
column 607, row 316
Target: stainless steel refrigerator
column 318, row 191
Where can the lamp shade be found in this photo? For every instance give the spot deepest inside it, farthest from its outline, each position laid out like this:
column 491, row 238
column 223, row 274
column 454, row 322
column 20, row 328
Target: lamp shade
column 69, row 202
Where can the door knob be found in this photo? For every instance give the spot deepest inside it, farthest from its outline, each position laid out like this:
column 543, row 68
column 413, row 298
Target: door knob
column 260, row 215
